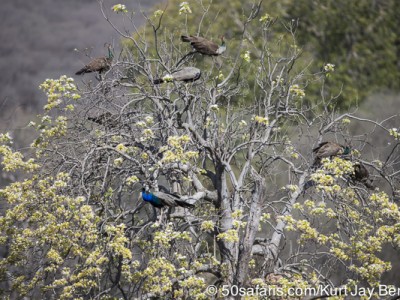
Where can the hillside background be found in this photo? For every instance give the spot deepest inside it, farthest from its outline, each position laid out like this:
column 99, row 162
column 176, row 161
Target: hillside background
column 38, row 41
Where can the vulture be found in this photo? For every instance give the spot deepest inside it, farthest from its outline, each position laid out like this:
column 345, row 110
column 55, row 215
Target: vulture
column 98, row 64
column 204, row 46
column 161, row 199
column 361, row 174
column 188, row 74
column 329, row 149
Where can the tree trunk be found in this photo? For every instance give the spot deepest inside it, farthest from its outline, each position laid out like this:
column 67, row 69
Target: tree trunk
column 253, row 222
column 227, row 249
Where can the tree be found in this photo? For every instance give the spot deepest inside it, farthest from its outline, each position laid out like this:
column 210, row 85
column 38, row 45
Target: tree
column 362, row 39
column 263, row 216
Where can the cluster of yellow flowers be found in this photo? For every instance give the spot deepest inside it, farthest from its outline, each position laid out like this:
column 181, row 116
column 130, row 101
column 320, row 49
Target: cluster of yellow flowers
column 158, row 275
column 297, row 91
column 176, row 150
column 119, row 8
column 266, row 17
column 329, row 68
column 338, row 166
column 5, row 138
column 164, row 237
column 13, row 161
column 395, row 133
column 195, row 286
column 278, row 81
column 220, row 76
column 207, row 226
column 59, row 224
column 246, row 56
column 132, row 180
column 230, row 235
column 292, row 152
column 332, row 169
column 158, row 13
column 118, row 241
column 184, row 8
column 261, row 120
column 57, row 89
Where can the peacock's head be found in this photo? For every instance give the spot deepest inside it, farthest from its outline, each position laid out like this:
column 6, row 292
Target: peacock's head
column 145, row 187
column 222, row 47
column 110, row 52
column 222, row 37
column 346, row 150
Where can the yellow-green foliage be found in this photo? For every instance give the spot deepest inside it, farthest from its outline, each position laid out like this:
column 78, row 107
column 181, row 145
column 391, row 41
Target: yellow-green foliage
column 74, row 227
column 175, row 151
column 44, row 224
column 58, row 90
column 164, row 238
column 331, row 169
column 360, row 39
column 341, row 37
column 212, row 19
column 369, row 226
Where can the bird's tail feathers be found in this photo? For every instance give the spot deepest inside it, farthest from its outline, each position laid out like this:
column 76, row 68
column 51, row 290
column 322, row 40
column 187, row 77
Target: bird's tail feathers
column 158, row 81
column 317, row 163
column 184, row 204
column 185, row 38
column 81, row 71
column 369, row 185
column 309, row 184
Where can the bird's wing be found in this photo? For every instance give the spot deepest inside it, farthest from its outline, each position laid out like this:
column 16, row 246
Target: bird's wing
column 187, row 74
column 319, row 146
column 364, row 170
column 98, row 64
column 167, row 199
column 362, row 175
column 329, row 149
column 184, row 204
column 360, row 171
column 186, row 39
column 204, row 46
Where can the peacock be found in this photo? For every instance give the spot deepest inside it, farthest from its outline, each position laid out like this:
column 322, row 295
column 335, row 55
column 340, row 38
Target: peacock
column 188, row 74
column 161, row 199
column 204, row 46
column 98, row 64
column 106, row 119
column 361, row 174
column 329, row 149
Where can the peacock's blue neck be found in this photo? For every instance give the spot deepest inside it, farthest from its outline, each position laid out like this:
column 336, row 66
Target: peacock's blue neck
column 110, row 54
column 346, row 150
column 149, row 197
